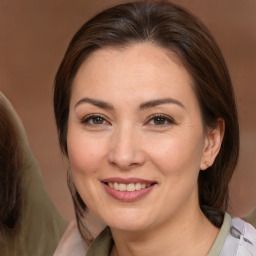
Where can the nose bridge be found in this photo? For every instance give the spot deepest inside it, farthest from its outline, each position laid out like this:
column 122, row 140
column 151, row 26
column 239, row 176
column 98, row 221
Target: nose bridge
column 125, row 150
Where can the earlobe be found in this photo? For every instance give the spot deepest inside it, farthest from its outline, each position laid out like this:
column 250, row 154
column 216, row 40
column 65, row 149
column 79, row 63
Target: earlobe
column 213, row 141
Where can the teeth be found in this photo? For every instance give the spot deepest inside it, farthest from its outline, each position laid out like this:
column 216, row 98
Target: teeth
column 138, row 186
column 128, row 187
column 122, row 187
column 116, row 186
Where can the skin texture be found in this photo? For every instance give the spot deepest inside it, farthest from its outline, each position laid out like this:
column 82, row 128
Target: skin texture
column 126, row 138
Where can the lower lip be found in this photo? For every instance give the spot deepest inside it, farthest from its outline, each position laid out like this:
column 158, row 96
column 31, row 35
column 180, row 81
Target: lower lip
column 127, row 196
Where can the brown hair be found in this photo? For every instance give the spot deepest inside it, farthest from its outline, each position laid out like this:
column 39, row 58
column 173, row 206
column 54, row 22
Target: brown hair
column 169, row 26
column 10, row 185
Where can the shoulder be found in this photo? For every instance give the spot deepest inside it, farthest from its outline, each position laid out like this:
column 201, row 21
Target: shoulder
column 244, row 231
column 71, row 243
column 241, row 239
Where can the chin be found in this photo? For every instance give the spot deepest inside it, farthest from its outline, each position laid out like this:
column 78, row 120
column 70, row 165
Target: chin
column 129, row 227
column 128, row 221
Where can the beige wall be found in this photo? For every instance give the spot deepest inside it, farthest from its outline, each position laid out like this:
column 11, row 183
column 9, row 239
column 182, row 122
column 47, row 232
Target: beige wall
column 34, row 36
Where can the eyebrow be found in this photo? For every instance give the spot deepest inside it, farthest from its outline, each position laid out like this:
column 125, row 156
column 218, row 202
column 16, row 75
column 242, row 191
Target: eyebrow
column 142, row 106
column 97, row 103
column 157, row 102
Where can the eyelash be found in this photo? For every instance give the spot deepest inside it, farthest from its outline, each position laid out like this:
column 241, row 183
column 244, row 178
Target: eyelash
column 86, row 120
column 167, row 120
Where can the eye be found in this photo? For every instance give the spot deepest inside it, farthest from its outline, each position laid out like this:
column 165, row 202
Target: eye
column 160, row 120
column 94, row 120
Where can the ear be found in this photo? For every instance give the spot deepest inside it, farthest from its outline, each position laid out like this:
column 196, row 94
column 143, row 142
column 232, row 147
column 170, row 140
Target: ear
column 212, row 145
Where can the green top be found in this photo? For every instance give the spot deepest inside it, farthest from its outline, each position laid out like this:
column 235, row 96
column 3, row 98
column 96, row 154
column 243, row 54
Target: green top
column 251, row 217
column 41, row 225
column 102, row 244
column 220, row 240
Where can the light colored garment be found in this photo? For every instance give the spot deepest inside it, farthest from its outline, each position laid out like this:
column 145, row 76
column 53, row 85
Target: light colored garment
column 236, row 238
column 71, row 243
column 241, row 239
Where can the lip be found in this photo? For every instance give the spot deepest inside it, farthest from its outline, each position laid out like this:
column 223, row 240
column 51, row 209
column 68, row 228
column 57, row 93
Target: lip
column 128, row 196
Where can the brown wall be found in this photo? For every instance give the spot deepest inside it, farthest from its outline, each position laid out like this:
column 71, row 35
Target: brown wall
column 34, row 36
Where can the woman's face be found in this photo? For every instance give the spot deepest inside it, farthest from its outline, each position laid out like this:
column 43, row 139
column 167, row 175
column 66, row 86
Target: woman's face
column 135, row 138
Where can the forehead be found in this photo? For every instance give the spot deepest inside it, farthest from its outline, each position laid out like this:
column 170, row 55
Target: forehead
column 138, row 68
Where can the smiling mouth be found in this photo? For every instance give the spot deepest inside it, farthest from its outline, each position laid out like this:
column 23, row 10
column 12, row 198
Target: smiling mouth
column 128, row 187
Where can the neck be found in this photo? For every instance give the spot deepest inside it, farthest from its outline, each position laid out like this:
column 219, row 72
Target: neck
column 188, row 234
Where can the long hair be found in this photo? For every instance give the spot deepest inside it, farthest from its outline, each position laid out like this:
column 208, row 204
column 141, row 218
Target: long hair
column 169, row 26
column 10, row 185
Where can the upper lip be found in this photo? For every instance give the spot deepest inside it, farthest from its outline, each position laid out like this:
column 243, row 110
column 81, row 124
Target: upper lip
column 127, row 180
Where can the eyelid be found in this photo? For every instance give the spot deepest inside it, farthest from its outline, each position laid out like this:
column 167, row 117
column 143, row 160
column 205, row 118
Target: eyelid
column 166, row 117
column 86, row 118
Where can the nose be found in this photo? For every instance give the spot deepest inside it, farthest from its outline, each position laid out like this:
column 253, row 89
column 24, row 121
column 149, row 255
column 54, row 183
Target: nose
column 126, row 151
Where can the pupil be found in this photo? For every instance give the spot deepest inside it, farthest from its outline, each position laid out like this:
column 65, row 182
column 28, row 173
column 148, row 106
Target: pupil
column 159, row 120
column 98, row 120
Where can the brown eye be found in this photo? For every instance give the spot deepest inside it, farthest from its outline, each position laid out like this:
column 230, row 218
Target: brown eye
column 94, row 120
column 159, row 121
column 97, row 120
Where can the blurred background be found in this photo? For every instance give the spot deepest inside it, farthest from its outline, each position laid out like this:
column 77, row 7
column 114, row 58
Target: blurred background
column 34, row 36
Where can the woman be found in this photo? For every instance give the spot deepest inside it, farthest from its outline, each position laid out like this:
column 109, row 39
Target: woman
column 29, row 221
column 146, row 115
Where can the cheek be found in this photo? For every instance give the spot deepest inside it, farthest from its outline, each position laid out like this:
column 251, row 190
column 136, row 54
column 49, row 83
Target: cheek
column 85, row 158
column 178, row 155
column 84, row 154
